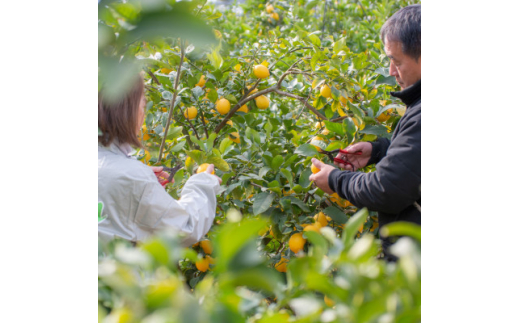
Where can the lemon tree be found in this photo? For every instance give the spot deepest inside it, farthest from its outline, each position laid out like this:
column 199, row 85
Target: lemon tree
column 274, row 85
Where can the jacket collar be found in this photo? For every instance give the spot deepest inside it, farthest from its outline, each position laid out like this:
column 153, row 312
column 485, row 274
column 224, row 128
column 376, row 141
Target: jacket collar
column 118, row 148
column 409, row 95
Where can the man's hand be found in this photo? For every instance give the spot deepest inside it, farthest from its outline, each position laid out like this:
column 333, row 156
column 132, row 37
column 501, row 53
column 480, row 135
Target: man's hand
column 358, row 161
column 321, row 178
column 210, row 170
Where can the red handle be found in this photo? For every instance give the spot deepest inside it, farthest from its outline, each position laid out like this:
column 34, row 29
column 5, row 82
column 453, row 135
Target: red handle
column 349, row 153
column 341, row 161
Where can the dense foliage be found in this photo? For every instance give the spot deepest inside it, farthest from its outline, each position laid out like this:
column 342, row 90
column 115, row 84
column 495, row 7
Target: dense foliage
column 280, row 244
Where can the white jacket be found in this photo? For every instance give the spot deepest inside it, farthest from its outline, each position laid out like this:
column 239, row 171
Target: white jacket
column 136, row 205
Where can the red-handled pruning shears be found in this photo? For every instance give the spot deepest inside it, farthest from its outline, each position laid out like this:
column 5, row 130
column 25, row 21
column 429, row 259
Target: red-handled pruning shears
column 339, row 160
column 172, row 171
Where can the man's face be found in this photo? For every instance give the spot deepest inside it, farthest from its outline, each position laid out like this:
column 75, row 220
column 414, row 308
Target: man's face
column 406, row 69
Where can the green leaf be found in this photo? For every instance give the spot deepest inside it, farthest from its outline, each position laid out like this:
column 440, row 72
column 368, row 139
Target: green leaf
column 224, row 145
column 178, row 22
column 315, row 40
column 178, row 147
column 241, row 232
column 219, row 163
column 304, row 177
column 353, row 225
column 335, row 127
column 336, row 214
column 276, row 162
column 377, row 130
column 213, row 95
column 299, row 204
column 262, row 202
column 287, row 174
column 196, row 155
column 174, row 132
column 306, row 150
column 402, row 229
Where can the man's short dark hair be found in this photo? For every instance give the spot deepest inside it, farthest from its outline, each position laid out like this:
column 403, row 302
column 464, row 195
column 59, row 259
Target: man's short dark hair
column 405, row 27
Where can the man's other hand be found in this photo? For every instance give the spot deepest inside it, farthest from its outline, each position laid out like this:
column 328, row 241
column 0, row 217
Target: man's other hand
column 321, row 178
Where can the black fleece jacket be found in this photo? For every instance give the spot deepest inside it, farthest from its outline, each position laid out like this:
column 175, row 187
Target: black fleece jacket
column 394, row 188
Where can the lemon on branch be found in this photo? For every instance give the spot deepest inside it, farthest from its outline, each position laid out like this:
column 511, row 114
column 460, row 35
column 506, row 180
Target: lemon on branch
column 296, row 242
column 383, row 117
column 243, row 109
column 190, row 113
column 275, row 16
column 202, row 264
column 223, row 106
column 235, row 137
column 206, row 245
column 203, row 167
column 146, row 136
column 262, row 102
column 314, row 169
column 202, row 81
column 269, row 8
column 321, row 219
column 281, row 266
column 325, row 91
column 261, row 71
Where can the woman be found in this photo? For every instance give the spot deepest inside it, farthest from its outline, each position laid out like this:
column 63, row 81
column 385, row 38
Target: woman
column 134, row 202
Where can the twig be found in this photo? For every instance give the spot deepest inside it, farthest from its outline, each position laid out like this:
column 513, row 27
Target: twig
column 154, row 77
column 170, row 115
column 324, row 19
column 304, row 101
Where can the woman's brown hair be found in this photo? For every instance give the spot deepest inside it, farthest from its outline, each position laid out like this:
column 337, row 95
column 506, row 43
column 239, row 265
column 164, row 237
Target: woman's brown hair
column 118, row 119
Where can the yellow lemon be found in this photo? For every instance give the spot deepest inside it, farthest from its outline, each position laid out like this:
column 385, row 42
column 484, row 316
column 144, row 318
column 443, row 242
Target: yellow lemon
column 261, row 71
column 325, row 131
column 321, row 219
column 147, row 157
column 318, row 124
column 328, row 301
column 202, row 264
column 296, row 242
column 243, row 109
column 190, row 113
column 275, row 16
column 146, row 136
column 166, row 70
column 383, row 117
column 312, row 227
column 262, row 102
column 343, row 100
column 269, row 8
column 223, row 106
column 207, row 246
column 235, row 137
column 281, row 266
column 202, row 81
column 229, row 122
column 314, row 169
column 325, row 91
column 203, row 167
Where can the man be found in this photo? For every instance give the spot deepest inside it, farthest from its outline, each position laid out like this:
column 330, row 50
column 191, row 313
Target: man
column 394, row 189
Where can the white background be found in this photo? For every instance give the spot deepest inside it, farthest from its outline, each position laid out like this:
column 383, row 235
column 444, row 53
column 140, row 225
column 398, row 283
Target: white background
column 470, row 143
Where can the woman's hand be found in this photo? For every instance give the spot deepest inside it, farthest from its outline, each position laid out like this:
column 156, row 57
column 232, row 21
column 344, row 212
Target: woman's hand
column 162, row 176
column 210, row 170
column 358, row 161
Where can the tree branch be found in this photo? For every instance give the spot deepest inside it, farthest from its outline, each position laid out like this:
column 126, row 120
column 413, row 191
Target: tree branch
column 170, row 115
